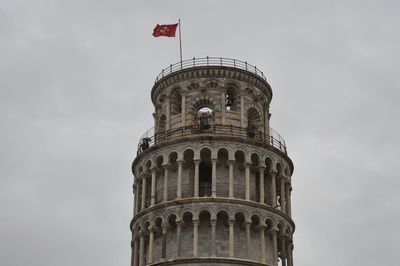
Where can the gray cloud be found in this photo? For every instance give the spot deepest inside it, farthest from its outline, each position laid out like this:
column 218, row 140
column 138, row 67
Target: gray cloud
column 75, row 80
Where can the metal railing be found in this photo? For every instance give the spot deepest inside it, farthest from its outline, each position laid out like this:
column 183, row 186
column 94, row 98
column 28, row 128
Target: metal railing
column 210, row 61
column 150, row 139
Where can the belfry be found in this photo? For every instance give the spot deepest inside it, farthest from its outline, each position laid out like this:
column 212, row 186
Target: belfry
column 212, row 179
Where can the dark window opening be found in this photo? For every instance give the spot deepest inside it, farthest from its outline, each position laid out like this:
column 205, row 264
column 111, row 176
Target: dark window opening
column 205, row 177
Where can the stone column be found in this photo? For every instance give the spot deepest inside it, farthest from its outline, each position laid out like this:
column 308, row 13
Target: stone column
column 248, row 243
column 242, row 124
column 261, row 170
column 183, row 112
column 231, row 162
column 136, row 193
column 143, row 192
column 196, row 178
column 164, row 243
column 283, row 251
column 168, row 125
column 231, row 239
column 213, row 238
column 178, row 237
column 179, row 185
column 137, row 254
column 133, row 246
column 141, row 249
column 153, row 187
column 274, row 247
column 214, row 178
column 195, row 237
column 151, row 243
column 262, row 240
column 166, row 169
column 289, row 253
column 247, row 181
column 273, row 188
column 288, row 199
column 282, row 197
column 223, row 107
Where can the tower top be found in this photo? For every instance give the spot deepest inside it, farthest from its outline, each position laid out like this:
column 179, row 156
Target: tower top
column 210, row 67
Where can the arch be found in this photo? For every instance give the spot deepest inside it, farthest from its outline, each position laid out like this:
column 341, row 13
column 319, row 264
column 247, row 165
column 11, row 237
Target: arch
column 205, row 173
column 204, row 102
column 239, row 235
column 222, row 237
column 232, row 101
column 204, row 232
column 254, row 122
column 176, row 102
column 193, row 86
column 161, row 124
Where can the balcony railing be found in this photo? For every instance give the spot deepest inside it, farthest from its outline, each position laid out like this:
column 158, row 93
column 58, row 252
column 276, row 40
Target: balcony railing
column 150, row 139
column 210, row 61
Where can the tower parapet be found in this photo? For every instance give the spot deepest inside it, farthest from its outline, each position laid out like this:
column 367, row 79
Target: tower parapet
column 212, row 178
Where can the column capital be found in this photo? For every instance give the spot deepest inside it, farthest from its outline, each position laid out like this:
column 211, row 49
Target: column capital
column 213, row 222
column 261, row 167
column 166, row 165
column 231, row 222
column 262, row 227
column 180, row 161
column 231, row 161
column 274, row 230
column 153, row 169
column 178, row 221
column 273, row 172
column 196, row 222
column 152, row 228
column 197, row 160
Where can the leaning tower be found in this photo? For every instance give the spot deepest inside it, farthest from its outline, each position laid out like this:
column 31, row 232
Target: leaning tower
column 212, row 179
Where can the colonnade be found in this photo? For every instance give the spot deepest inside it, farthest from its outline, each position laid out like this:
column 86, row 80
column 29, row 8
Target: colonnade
column 281, row 249
column 283, row 202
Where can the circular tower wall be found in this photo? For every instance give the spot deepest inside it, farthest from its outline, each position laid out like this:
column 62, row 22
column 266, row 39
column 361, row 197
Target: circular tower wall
column 212, row 179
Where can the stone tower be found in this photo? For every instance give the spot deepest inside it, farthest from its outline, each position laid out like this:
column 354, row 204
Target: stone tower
column 212, row 178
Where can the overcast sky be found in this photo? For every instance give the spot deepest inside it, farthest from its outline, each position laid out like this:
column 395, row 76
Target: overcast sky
column 75, row 81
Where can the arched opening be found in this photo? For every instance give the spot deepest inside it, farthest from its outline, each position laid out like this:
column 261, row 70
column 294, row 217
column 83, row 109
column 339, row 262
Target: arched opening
column 171, row 250
column 148, row 184
column 255, row 237
column 268, row 183
column 269, row 241
column 281, row 247
column 255, row 178
column 158, row 240
column 253, row 123
column 146, row 242
column 176, row 102
column 205, row 173
column 239, row 186
column 159, row 180
column 239, row 236
column 222, row 173
column 204, row 248
column 188, row 174
column 232, row 100
column 222, row 236
column 203, row 115
column 172, row 175
column 187, row 234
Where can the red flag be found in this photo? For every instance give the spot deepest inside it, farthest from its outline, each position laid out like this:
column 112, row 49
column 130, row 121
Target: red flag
column 165, row 30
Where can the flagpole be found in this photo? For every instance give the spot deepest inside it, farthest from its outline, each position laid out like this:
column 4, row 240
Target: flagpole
column 180, row 41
